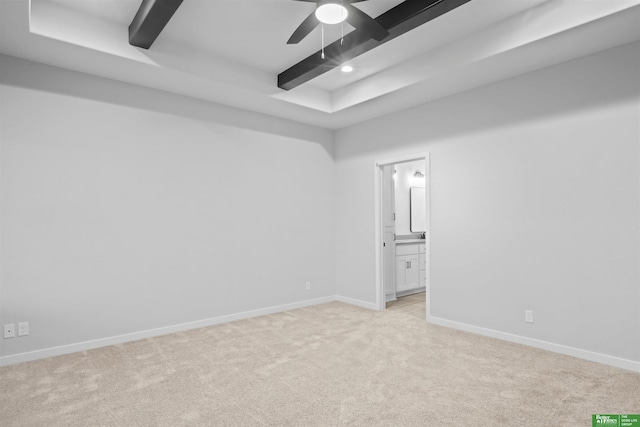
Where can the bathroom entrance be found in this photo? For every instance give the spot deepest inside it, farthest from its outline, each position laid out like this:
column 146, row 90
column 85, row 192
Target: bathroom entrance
column 402, row 235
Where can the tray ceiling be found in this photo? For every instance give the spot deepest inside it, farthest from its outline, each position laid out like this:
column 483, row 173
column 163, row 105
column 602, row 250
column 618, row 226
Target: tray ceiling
column 231, row 51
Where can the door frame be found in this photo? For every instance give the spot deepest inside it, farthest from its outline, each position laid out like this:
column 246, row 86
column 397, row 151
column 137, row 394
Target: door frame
column 379, row 226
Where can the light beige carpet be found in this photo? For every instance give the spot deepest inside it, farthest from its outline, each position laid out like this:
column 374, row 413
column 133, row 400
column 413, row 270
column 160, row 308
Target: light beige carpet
column 328, row 365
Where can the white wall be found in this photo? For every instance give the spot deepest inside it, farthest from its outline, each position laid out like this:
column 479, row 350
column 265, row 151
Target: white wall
column 126, row 209
column 404, row 179
column 535, row 185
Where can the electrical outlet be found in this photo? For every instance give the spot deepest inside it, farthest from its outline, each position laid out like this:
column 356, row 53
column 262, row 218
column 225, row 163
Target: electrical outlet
column 308, row 286
column 528, row 316
column 23, row 329
column 10, row 330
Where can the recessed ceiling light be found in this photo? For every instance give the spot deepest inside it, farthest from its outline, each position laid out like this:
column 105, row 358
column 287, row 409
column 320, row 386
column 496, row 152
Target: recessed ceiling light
column 346, row 68
column 331, row 13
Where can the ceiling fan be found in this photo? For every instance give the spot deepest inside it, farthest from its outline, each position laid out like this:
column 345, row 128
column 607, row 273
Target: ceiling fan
column 334, row 12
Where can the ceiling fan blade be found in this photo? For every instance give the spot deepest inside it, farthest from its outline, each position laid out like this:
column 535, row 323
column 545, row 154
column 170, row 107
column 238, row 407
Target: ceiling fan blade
column 304, row 29
column 363, row 22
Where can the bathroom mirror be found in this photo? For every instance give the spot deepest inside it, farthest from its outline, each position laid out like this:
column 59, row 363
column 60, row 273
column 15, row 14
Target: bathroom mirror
column 418, row 210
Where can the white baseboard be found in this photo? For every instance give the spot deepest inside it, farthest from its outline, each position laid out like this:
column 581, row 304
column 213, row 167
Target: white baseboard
column 359, row 303
column 120, row 339
column 544, row 345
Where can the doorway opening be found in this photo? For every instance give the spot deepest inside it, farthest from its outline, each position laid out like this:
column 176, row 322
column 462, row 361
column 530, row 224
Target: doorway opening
column 402, row 234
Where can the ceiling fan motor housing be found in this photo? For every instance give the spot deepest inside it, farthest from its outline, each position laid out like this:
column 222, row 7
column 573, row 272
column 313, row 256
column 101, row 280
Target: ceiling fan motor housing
column 362, row 22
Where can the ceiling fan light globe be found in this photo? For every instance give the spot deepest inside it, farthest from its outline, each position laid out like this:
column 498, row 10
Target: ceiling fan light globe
column 331, row 13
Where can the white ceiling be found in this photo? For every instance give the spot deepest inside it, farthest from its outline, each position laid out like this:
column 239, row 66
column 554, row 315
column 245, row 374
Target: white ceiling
column 231, row 51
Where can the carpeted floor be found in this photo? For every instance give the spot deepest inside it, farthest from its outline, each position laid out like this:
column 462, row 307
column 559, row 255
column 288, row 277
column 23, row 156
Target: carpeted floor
column 327, row 365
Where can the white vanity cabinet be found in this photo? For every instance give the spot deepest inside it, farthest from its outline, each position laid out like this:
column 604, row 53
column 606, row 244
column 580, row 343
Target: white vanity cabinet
column 407, row 273
column 410, row 266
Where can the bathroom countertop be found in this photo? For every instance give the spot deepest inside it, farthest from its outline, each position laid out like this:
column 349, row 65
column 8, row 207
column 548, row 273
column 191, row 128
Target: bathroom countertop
column 399, row 242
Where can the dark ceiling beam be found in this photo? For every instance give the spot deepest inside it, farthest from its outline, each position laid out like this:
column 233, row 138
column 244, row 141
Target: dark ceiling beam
column 150, row 20
column 402, row 18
